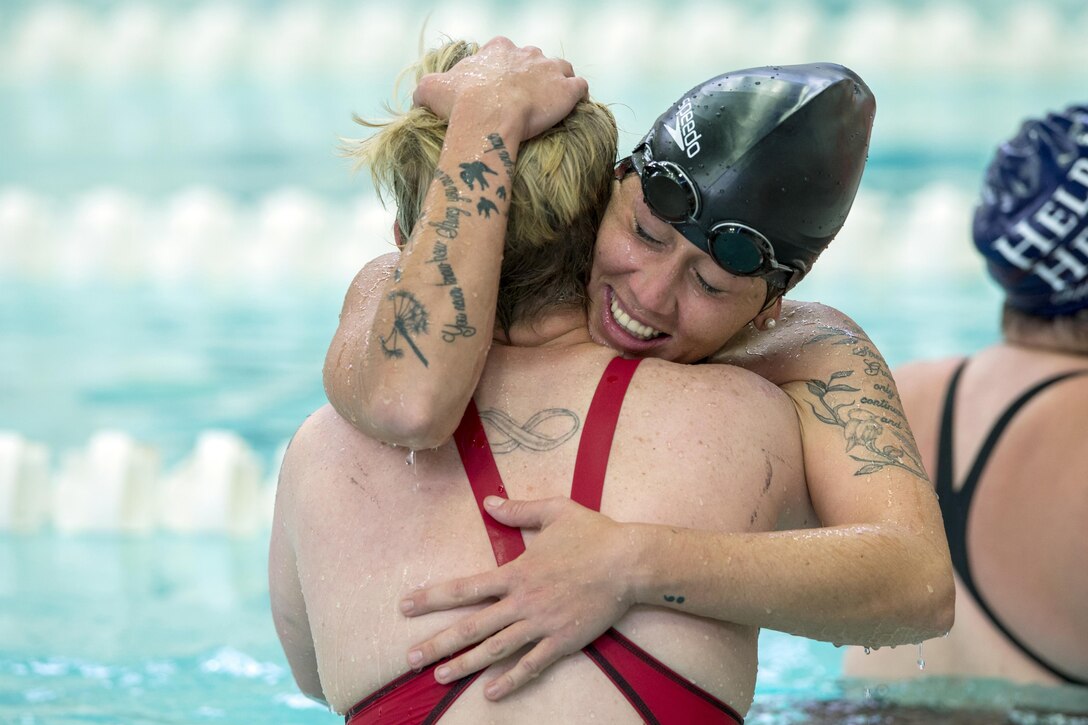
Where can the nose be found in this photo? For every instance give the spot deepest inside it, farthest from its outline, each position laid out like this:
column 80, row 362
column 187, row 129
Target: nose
column 655, row 284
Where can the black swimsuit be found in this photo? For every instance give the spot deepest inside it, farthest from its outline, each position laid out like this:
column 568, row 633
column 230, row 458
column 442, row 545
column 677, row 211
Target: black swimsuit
column 956, row 505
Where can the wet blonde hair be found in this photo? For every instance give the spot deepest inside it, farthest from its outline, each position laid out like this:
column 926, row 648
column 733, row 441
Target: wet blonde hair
column 561, row 182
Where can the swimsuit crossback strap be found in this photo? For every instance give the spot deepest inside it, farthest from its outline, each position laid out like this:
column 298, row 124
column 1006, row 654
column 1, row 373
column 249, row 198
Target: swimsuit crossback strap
column 595, row 445
column 956, row 505
column 414, row 697
column 590, row 465
column 483, row 477
column 658, row 694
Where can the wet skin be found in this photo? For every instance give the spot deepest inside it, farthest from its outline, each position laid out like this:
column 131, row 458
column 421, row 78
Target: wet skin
column 652, row 293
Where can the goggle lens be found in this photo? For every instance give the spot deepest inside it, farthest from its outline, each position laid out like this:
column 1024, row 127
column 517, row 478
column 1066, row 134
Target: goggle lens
column 737, row 250
column 667, row 198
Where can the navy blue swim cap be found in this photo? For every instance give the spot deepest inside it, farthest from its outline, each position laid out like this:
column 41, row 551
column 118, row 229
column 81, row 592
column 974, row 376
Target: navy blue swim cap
column 779, row 150
column 1032, row 221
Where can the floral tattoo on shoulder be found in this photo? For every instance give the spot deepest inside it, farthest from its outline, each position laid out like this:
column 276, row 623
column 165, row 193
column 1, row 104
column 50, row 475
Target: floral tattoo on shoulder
column 873, row 424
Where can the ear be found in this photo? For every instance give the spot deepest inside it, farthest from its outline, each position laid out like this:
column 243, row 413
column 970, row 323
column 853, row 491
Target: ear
column 770, row 312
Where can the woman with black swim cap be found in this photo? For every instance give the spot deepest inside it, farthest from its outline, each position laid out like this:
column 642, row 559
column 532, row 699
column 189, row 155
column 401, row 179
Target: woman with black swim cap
column 690, row 262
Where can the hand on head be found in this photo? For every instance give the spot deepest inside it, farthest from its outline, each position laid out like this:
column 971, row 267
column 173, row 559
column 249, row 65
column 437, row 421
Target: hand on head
column 533, row 91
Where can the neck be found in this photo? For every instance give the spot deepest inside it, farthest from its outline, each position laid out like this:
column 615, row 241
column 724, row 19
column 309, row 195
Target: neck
column 1065, row 342
column 555, row 328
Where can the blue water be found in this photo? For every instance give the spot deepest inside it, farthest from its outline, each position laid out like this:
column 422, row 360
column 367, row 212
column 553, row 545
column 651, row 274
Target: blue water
column 177, row 630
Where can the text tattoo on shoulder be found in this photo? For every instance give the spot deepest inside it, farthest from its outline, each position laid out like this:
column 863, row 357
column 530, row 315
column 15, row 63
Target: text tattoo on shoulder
column 873, row 421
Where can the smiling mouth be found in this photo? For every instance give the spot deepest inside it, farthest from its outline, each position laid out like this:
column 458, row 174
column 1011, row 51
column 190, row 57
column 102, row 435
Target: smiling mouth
column 631, row 326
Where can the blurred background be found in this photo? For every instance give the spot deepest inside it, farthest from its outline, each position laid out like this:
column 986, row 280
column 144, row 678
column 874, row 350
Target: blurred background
column 177, row 231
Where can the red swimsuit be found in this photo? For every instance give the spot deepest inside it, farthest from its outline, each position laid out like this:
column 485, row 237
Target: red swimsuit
column 658, row 694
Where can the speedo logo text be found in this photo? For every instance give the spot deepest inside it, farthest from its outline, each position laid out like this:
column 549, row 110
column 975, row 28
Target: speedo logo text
column 685, row 135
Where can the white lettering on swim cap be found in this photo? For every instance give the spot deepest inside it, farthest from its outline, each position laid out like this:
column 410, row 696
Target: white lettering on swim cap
column 1016, row 255
column 1078, row 172
column 1066, row 261
column 684, row 135
column 1056, row 218
column 1060, row 215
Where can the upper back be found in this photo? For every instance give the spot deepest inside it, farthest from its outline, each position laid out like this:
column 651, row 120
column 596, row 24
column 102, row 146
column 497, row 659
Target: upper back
column 1025, row 535
column 387, row 525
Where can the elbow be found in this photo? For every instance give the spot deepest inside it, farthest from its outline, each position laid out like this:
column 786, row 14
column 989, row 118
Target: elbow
column 415, row 425
column 933, row 609
column 919, row 602
column 413, row 420
column 942, row 607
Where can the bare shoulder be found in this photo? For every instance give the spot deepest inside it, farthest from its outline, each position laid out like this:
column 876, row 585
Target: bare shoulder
column 922, row 383
column 845, row 393
column 319, row 442
column 809, row 340
column 701, row 384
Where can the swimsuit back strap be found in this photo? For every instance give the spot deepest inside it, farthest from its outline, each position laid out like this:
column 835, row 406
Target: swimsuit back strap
column 964, row 496
column 595, row 445
column 987, row 449
column 956, row 505
column 414, row 697
column 483, row 476
column 942, row 482
column 657, row 693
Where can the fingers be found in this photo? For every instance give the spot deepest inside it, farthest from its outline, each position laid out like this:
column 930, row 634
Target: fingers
column 454, row 593
column 468, row 631
column 581, row 87
column 495, row 648
column 538, row 659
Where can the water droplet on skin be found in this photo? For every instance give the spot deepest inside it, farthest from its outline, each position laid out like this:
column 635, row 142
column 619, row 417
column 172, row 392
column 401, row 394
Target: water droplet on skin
column 411, row 459
column 868, row 650
column 921, row 660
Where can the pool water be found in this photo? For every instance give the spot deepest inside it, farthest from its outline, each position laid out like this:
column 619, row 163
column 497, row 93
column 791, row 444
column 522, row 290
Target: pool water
column 176, row 629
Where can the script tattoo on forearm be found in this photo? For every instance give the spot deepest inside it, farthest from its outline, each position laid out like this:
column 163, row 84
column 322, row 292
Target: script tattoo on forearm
column 409, row 320
column 526, row 435
column 873, row 421
column 448, row 229
column 460, row 326
column 498, row 146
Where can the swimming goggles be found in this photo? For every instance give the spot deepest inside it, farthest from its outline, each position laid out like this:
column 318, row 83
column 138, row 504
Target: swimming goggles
column 673, row 197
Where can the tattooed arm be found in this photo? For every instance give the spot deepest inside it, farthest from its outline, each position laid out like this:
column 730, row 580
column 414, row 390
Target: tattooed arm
column 413, row 339
column 866, row 482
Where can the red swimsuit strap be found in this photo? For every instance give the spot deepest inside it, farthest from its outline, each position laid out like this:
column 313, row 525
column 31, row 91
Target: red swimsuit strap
column 483, row 476
column 596, row 442
column 590, row 465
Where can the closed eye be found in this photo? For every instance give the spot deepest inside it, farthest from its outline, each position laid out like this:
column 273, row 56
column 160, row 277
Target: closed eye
column 645, row 236
column 706, row 287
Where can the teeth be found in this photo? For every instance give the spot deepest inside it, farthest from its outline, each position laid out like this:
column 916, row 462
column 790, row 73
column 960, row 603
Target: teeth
column 634, row 327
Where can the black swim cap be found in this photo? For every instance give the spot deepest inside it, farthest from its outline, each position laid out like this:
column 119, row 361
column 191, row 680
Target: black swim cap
column 778, row 149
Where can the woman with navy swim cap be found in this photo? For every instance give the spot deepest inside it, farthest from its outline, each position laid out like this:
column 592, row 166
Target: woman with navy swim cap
column 1002, row 432
column 725, row 204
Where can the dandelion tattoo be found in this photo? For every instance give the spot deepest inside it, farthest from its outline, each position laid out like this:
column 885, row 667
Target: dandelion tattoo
column 409, row 320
